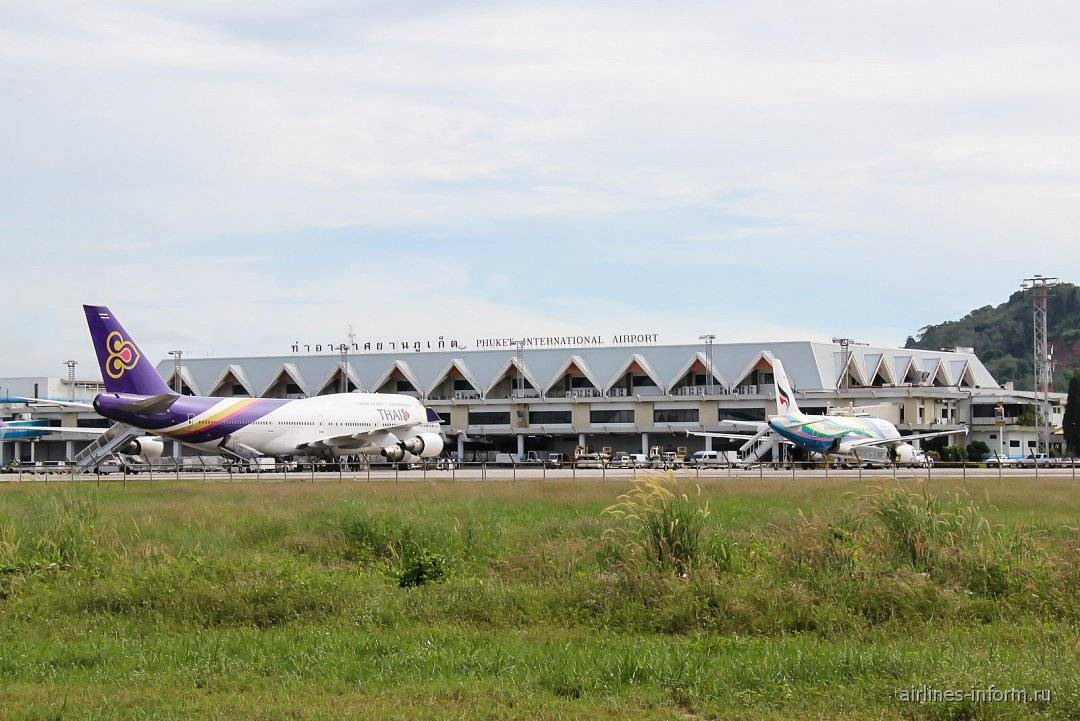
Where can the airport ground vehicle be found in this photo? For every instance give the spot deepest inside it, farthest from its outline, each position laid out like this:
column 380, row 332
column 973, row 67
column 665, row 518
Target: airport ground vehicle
column 639, row 460
column 621, row 459
column 667, row 460
column 589, row 460
column 556, row 460
column 710, row 459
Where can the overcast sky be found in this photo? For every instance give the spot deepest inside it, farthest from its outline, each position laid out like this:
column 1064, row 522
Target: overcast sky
column 232, row 177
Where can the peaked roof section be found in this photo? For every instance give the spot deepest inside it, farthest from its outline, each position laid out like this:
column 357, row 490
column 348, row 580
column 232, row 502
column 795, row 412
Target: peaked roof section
column 873, row 365
column 579, row 363
column 903, row 369
column 854, row 367
column 698, row 359
column 458, row 365
column 290, row 371
column 237, row 373
column 757, row 362
column 333, row 376
column 185, row 376
column 635, row 360
column 960, row 371
column 511, row 363
column 401, row 367
column 937, row 374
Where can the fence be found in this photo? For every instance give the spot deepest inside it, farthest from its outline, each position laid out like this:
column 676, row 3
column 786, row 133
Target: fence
column 211, row 469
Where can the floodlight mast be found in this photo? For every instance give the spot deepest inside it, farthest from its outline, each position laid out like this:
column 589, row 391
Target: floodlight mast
column 845, row 345
column 178, row 380
column 708, row 338
column 71, row 378
column 1043, row 367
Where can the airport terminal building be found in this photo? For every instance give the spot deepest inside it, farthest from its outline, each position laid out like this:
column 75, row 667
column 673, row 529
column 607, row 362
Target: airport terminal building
column 631, row 398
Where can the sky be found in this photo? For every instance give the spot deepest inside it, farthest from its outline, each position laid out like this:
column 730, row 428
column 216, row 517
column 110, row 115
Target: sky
column 233, row 177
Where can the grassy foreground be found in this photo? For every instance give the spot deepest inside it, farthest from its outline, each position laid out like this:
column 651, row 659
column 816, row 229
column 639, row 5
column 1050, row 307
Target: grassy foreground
column 809, row 599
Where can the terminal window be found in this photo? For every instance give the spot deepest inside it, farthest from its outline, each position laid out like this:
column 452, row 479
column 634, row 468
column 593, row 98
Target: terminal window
column 675, row 415
column 611, row 416
column 549, row 417
column 489, row 418
column 745, row 414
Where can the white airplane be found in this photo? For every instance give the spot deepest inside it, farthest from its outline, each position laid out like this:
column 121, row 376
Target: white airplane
column 828, row 435
column 397, row 427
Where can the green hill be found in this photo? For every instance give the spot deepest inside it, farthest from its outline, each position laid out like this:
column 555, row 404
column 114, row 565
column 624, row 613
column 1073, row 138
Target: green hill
column 1002, row 336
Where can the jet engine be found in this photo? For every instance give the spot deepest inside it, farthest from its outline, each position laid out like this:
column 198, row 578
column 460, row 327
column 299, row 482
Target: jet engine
column 146, row 446
column 425, row 445
column 908, row 455
column 393, row 453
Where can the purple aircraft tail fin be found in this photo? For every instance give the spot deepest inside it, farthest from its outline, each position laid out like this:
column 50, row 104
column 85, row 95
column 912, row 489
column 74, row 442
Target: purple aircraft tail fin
column 123, row 366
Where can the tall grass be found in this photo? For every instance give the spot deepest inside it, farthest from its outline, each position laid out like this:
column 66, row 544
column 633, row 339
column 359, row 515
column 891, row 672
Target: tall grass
column 661, row 520
column 658, row 599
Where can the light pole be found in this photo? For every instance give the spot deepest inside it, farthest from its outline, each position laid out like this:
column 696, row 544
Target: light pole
column 178, row 381
column 71, row 378
column 519, row 356
column 708, row 338
column 845, row 344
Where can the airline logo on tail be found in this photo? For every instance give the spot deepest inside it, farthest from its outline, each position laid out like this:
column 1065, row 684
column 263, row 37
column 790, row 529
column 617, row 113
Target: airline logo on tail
column 123, row 355
column 782, row 400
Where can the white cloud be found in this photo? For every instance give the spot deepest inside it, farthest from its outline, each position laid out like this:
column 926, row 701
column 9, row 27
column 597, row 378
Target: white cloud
column 838, row 142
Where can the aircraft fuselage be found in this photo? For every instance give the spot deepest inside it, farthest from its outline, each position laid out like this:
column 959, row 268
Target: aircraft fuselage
column 832, row 434
column 278, row 427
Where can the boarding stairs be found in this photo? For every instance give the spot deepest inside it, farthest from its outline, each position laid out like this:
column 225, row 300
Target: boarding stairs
column 105, row 446
column 759, row 445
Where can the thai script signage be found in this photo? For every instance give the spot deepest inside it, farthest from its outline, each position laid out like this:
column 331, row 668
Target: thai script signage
column 443, row 344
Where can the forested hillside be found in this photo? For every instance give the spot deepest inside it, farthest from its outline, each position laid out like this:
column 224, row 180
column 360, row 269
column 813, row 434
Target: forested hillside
column 1002, row 336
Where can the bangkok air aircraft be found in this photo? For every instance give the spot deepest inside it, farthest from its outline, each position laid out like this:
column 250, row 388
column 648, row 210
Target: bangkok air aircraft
column 395, row 426
column 824, row 435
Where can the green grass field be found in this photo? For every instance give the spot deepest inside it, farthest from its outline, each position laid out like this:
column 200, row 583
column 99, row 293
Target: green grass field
column 787, row 599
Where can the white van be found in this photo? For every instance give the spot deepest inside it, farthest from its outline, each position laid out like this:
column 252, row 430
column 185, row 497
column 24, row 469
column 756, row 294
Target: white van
column 708, row 459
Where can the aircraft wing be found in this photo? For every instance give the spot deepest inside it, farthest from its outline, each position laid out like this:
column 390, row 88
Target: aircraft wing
column 58, row 429
column 710, row 434
column 756, row 425
column 733, row 436
column 377, row 437
column 82, row 405
column 905, row 439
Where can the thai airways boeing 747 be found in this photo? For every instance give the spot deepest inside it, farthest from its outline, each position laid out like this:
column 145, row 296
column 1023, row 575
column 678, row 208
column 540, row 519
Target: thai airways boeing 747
column 394, row 426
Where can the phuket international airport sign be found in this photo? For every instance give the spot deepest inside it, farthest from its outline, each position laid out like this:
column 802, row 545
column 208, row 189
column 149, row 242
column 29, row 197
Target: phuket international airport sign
column 443, row 344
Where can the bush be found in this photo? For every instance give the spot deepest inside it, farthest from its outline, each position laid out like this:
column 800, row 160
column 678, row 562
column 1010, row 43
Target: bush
column 419, row 566
column 977, row 451
column 952, row 454
column 660, row 522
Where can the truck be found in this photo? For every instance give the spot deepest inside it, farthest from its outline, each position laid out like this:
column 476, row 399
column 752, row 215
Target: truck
column 1040, row 460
